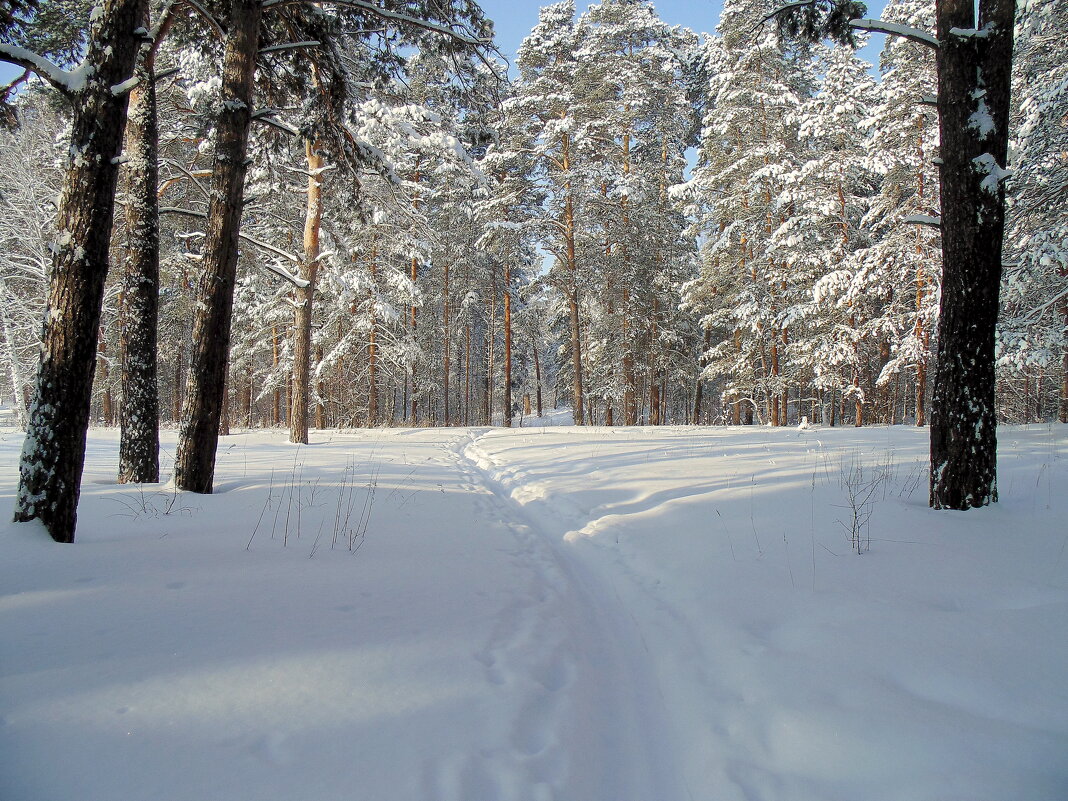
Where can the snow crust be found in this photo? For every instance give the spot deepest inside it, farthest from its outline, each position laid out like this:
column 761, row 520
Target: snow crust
column 541, row 613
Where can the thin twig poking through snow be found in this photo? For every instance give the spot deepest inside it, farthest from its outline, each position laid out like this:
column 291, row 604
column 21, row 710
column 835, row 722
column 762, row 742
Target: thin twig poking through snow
column 862, row 486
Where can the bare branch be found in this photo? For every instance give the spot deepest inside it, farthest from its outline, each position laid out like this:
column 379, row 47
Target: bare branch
column 280, row 48
column 167, row 73
column 266, row 116
column 192, row 176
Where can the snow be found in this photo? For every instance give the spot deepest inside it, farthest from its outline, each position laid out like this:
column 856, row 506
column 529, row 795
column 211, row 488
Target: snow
column 932, row 220
column 895, row 29
column 72, row 81
column 546, row 612
column 127, row 86
column 994, row 174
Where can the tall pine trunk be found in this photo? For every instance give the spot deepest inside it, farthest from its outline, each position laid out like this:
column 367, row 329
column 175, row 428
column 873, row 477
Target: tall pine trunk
column 302, row 316
column 50, row 468
column 973, row 106
column 507, row 346
column 446, row 329
column 194, row 466
column 572, row 289
column 139, row 413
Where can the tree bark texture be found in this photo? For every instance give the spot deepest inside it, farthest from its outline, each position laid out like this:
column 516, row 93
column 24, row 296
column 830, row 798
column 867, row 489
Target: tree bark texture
column 194, row 466
column 139, row 413
column 302, row 322
column 50, row 468
column 973, row 105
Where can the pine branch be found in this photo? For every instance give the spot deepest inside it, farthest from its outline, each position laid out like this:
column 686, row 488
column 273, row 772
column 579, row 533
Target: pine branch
column 893, row 29
column 67, row 83
column 393, row 16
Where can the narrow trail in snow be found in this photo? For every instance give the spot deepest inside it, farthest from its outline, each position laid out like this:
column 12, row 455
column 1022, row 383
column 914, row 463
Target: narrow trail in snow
column 590, row 723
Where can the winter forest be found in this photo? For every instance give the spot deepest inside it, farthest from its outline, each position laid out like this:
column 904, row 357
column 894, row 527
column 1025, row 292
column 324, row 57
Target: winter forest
column 352, row 216
column 590, row 418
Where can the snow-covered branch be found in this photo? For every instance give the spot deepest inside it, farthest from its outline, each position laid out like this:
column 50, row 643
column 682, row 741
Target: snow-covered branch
column 266, row 116
column 281, row 48
column 207, row 16
column 124, row 88
column 930, row 220
column 300, row 283
column 894, row 29
column 68, row 83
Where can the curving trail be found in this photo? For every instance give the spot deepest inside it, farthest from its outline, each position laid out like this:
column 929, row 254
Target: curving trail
column 569, row 662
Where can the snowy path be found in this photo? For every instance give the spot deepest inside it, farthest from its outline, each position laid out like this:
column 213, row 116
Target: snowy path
column 589, row 718
column 549, row 614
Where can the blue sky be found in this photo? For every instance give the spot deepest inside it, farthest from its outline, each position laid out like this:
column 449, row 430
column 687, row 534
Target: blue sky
column 513, row 19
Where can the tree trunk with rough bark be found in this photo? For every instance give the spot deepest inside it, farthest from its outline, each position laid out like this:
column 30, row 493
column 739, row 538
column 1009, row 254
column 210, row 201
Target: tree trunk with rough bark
column 973, row 105
column 699, row 391
column 139, row 414
column 50, row 468
column 194, row 466
column 302, row 316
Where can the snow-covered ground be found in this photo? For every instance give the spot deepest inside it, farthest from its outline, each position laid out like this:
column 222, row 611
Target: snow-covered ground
column 628, row 614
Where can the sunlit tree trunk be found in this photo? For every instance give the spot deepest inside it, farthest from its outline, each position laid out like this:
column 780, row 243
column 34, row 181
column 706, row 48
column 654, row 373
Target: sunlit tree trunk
column 507, row 346
column 194, row 464
column 302, row 316
column 53, row 455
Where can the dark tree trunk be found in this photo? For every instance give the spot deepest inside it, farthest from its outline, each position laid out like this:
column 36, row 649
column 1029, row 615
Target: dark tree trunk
column 139, row 414
column 320, row 391
column 194, row 465
column 50, row 469
column 973, row 97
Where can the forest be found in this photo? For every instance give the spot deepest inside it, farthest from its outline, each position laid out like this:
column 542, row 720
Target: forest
column 652, row 416
column 353, row 216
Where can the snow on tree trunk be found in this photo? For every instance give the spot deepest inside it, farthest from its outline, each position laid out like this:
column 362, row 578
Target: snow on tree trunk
column 50, row 468
column 139, row 413
column 973, row 88
column 194, row 466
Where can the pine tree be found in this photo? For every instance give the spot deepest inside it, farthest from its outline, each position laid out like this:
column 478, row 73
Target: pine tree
column 53, row 455
column 826, row 199
column 430, row 24
column 1032, row 337
column 902, row 265
column 749, row 143
column 974, row 43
